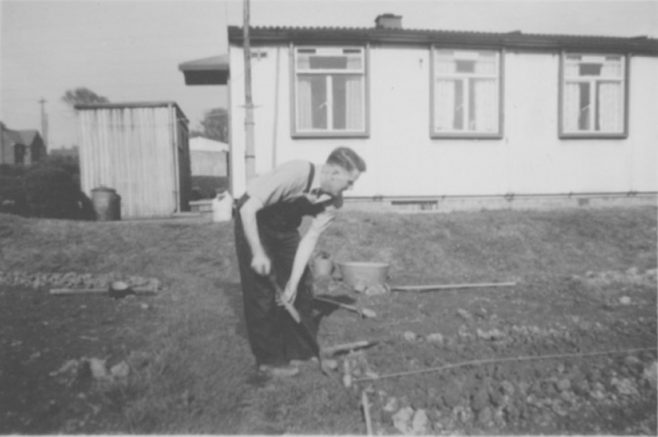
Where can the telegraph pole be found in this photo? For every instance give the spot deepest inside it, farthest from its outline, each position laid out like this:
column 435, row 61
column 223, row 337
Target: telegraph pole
column 44, row 122
column 249, row 154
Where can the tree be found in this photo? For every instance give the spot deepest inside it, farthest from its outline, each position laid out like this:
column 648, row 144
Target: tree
column 83, row 96
column 215, row 124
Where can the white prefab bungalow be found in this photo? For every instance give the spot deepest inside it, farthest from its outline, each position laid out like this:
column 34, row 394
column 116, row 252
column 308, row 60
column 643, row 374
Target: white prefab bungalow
column 443, row 114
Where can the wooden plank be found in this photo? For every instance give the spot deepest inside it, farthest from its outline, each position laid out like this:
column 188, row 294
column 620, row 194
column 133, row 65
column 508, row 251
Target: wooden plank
column 438, row 287
column 106, row 290
column 347, row 347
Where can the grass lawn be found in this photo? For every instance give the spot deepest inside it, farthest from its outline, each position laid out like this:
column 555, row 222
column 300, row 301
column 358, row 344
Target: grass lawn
column 191, row 370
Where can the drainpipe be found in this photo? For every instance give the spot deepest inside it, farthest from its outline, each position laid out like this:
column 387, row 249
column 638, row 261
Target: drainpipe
column 250, row 155
column 172, row 132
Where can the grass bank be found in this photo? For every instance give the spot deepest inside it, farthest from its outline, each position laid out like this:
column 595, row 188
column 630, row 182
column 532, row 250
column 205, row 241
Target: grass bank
column 199, row 377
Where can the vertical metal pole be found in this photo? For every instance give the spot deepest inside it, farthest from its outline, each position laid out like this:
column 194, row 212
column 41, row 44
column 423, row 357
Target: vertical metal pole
column 250, row 155
column 44, row 122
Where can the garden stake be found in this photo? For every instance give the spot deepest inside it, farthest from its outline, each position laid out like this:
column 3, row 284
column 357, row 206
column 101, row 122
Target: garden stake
column 366, row 411
column 438, row 287
column 114, row 289
column 500, row 360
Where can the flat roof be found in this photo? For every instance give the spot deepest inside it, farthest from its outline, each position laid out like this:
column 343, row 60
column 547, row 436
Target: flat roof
column 512, row 40
column 213, row 70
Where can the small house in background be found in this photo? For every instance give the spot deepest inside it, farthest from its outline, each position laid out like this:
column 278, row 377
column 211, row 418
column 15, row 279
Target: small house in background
column 22, row 147
column 208, row 157
column 141, row 151
column 209, row 167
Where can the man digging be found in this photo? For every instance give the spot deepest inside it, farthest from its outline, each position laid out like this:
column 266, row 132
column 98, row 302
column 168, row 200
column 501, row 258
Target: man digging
column 268, row 244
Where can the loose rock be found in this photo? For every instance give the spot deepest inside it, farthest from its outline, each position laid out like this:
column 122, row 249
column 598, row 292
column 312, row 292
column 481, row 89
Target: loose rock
column 485, row 417
column 435, row 338
column 420, row 423
column 625, row 300
column 97, row 367
column 651, row 374
column 402, row 420
column 120, row 370
column 563, row 384
column 410, row 336
column 391, row 405
column 464, row 314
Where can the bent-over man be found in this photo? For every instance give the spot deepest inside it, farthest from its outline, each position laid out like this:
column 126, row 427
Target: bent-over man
column 268, row 242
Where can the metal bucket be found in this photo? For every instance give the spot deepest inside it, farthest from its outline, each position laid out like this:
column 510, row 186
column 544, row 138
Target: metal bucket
column 107, row 204
column 357, row 274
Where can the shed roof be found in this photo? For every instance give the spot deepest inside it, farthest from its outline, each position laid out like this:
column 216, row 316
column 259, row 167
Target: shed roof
column 122, row 105
column 511, row 40
column 203, row 144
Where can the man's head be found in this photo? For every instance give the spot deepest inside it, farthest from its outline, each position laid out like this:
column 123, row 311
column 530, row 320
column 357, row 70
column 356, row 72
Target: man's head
column 343, row 168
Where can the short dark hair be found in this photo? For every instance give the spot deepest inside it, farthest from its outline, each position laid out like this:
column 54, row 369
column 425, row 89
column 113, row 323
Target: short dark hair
column 346, row 158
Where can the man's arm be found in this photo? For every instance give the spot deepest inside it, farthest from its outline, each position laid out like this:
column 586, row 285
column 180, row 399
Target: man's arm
column 260, row 262
column 304, row 252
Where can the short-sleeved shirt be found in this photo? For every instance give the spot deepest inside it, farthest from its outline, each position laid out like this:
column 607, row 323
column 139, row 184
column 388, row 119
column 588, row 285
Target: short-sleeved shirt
column 288, row 182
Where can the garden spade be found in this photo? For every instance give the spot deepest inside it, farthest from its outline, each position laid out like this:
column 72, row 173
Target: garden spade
column 363, row 312
column 301, row 325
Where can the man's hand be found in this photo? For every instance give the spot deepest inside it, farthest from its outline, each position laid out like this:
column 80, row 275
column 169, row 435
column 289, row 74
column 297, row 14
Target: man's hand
column 261, row 264
column 289, row 294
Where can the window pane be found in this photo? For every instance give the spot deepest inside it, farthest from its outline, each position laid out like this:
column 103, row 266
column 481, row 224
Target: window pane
column 584, row 107
column 313, row 61
column 612, row 68
column 328, row 62
column 444, row 66
column 590, row 69
column 610, row 113
column 348, row 102
column 466, row 91
column 312, row 102
column 458, row 120
column 483, row 99
column 465, row 66
column 444, row 103
column 330, row 87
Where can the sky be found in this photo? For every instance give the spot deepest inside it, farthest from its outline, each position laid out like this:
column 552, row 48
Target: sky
column 129, row 51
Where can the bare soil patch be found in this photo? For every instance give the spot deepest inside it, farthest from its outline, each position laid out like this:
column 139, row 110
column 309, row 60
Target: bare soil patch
column 569, row 349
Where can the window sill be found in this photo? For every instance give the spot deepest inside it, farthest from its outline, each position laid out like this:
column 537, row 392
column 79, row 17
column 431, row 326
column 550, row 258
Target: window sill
column 593, row 136
column 468, row 136
column 316, row 135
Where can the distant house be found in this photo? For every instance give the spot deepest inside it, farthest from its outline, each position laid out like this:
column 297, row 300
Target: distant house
column 140, row 150
column 23, row 147
column 440, row 114
column 208, row 157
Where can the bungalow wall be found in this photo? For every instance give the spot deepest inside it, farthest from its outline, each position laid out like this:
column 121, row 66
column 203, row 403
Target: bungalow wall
column 141, row 151
column 403, row 161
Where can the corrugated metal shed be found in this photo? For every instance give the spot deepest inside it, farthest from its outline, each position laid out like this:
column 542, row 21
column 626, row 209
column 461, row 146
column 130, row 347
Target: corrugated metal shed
column 139, row 149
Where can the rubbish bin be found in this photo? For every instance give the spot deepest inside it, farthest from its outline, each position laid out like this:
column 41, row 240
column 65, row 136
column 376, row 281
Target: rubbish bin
column 107, row 203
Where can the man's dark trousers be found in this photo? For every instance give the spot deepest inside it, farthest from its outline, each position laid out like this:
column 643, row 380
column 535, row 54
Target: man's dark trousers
column 274, row 337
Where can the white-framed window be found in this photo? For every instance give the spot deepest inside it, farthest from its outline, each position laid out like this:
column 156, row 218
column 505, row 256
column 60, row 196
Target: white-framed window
column 466, row 93
column 329, row 91
column 593, row 95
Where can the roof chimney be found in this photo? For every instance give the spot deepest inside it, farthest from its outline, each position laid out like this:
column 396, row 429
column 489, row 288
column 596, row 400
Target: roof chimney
column 388, row 21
